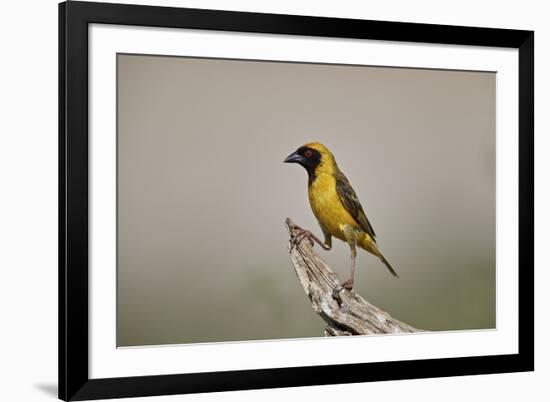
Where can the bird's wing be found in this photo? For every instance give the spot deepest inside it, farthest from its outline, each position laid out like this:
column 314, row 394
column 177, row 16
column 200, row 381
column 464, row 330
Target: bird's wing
column 351, row 203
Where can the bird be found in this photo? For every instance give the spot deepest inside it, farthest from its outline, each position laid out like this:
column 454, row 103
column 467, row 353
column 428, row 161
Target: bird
column 336, row 207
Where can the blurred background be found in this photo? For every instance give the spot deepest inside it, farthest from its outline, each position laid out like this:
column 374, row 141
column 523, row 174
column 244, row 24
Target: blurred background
column 203, row 194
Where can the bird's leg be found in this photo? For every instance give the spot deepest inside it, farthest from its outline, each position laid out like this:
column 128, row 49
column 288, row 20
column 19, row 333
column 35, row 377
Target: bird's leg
column 306, row 234
column 351, row 238
column 348, row 284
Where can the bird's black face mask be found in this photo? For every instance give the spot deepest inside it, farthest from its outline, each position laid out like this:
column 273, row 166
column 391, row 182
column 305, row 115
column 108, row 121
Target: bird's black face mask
column 309, row 158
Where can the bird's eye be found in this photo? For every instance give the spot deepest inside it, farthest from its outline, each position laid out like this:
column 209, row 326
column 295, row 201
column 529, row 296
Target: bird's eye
column 308, row 154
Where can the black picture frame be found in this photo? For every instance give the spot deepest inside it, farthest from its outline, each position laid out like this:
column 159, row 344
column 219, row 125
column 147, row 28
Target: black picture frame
column 74, row 381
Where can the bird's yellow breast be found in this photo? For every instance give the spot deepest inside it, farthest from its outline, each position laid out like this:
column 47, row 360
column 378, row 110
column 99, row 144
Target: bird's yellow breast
column 327, row 207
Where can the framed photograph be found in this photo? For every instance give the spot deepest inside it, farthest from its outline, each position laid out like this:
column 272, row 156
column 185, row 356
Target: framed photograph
column 257, row 200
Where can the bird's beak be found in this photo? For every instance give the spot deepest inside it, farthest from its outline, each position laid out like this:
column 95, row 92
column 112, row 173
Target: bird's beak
column 294, row 158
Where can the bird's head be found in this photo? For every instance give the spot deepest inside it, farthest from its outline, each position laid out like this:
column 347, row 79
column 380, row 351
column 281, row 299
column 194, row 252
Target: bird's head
column 314, row 157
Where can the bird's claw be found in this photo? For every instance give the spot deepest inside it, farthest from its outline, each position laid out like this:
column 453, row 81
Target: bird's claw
column 347, row 285
column 303, row 234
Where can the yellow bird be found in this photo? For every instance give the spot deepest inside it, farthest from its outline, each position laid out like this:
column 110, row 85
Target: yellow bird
column 335, row 205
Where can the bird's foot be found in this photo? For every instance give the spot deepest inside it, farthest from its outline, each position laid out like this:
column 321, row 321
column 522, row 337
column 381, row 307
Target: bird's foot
column 302, row 234
column 348, row 285
column 305, row 234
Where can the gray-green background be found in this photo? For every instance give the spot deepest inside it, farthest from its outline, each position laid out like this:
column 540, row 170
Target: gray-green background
column 203, row 194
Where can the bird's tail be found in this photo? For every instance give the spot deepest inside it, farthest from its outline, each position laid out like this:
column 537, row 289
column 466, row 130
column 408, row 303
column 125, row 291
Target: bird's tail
column 369, row 244
column 387, row 264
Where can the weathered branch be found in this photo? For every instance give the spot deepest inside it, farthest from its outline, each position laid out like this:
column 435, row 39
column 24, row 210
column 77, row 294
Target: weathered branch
column 345, row 312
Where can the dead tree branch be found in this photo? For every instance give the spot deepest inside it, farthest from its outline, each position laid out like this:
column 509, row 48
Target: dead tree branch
column 345, row 312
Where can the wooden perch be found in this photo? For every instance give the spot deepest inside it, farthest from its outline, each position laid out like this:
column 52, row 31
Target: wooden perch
column 344, row 311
